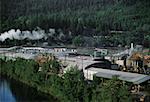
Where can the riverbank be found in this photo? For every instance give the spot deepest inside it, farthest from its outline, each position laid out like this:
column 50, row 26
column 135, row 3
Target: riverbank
column 34, row 89
column 26, row 71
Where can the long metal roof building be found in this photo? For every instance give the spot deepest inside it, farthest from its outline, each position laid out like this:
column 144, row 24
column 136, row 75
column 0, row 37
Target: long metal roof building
column 125, row 76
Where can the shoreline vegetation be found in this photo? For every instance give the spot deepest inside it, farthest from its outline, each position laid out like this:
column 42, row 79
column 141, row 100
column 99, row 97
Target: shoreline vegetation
column 28, row 82
column 31, row 85
column 71, row 86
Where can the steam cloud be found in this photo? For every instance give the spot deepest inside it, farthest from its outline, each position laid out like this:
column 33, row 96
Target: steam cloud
column 20, row 35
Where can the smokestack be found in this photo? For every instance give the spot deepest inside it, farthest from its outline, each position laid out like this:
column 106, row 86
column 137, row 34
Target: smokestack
column 131, row 49
column 132, row 46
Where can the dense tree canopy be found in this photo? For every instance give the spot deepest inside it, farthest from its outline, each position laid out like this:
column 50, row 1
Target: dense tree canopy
column 120, row 15
column 131, row 16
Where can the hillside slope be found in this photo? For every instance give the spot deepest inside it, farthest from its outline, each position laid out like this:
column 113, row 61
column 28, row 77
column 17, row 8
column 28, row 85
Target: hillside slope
column 131, row 16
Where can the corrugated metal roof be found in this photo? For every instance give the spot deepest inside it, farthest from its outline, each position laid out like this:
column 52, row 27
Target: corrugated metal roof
column 126, row 76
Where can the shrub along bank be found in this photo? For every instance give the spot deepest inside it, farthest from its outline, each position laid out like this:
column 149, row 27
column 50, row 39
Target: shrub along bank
column 71, row 87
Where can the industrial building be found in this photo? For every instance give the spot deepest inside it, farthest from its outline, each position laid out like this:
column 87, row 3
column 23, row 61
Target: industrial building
column 134, row 78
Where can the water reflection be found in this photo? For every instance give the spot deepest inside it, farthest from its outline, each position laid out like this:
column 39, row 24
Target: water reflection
column 14, row 91
column 5, row 92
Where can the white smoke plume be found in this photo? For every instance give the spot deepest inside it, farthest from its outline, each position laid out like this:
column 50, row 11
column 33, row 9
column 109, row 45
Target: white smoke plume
column 20, row 35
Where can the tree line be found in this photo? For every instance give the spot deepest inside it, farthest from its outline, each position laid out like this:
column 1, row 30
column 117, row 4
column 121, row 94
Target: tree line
column 72, row 86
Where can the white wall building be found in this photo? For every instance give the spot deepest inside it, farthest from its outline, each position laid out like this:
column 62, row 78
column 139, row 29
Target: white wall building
column 134, row 78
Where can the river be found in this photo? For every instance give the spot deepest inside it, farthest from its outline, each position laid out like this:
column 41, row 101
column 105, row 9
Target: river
column 14, row 91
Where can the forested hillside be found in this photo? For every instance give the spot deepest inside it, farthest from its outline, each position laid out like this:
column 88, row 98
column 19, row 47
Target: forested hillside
column 97, row 17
